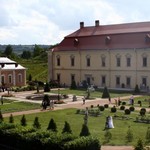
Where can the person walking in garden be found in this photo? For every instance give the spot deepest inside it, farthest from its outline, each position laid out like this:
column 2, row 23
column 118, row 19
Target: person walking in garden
column 83, row 100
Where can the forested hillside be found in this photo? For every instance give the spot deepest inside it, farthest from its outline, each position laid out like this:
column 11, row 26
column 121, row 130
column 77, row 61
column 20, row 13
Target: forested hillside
column 35, row 61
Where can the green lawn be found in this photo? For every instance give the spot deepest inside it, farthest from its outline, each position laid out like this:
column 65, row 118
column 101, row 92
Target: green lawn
column 95, row 124
column 15, row 106
column 95, row 94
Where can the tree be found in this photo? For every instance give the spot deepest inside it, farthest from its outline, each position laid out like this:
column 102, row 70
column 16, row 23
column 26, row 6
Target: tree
column 105, row 93
column 37, row 50
column 23, row 121
column 52, row 125
column 36, row 123
column 73, row 85
column 66, row 128
column 30, row 77
column 26, row 54
column 8, row 51
column 11, row 119
column 84, row 130
column 136, row 90
column 1, row 117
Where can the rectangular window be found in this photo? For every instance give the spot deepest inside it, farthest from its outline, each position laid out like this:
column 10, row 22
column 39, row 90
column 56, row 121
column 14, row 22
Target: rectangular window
column 88, row 62
column 58, row 61
column 103, row 80
column 144, row 61
column 118, row 61
column 72, row 61
column 103, row 62
column 117, row 80
column 144, row 81
column 128, row 81
column 88, row 79
column 128, row 62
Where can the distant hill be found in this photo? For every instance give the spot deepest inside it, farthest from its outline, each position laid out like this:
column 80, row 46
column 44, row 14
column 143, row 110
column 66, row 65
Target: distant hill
column 18, row 49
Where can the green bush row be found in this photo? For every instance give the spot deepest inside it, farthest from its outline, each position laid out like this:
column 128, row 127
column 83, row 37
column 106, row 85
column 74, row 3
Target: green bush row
column 24, row 138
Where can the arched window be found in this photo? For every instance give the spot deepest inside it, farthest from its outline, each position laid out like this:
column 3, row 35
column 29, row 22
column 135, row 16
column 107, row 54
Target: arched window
column 72, row 58
column 10, row 78
column 107, row 40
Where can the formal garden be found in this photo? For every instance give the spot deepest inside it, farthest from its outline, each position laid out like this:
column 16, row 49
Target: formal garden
column 131, row 124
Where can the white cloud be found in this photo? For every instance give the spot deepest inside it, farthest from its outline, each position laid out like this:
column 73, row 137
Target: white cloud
column 48, row 21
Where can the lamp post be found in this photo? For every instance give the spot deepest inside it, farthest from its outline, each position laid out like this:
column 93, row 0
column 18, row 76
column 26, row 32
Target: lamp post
column 58, row 94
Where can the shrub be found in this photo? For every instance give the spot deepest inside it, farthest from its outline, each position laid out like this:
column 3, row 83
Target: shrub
column 129, row 135
column 66, row 128
column 106, row 105
column 1, row 117
column 142, row 111
column 131, row 108
column 36, row 123
column 107, row 136
column 52, row 125
column 105, row 93
column 139, row 145
column 148, row 135
column 136, row 90
column 101, row 108
column 73, row 85
column 122, row 107
column 123, row 103
column 113, row 109
column 127, row 111
column 11, row 119
column 23, row 121
column 84, row 130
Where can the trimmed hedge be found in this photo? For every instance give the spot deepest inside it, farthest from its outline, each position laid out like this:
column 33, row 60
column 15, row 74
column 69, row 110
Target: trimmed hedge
column 29, row 138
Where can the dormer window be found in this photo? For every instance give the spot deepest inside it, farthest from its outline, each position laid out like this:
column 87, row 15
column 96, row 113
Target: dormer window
column 76, row 42
column 107, row 40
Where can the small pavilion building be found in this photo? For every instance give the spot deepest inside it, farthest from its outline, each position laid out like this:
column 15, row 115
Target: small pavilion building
column 11, row 73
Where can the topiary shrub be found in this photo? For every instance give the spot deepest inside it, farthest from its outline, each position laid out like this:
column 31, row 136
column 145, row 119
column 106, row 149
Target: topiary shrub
column 131, row 108
column 113, row 109
column 123, row 103
column 139, row 145
column 23, row 121
column 101, row 108
column 106, row 105
column 52, row 125
column 11, row 119
column 136, row 90
column 73, row 85
column 142, row 111
column 105, row 93
column 122, row 107
column 36, row 123
column 67, row 128
column 127, row 111
column 84, row 130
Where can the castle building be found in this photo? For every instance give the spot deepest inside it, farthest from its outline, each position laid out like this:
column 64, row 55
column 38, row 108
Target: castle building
column 116, row 56
column 11, row 73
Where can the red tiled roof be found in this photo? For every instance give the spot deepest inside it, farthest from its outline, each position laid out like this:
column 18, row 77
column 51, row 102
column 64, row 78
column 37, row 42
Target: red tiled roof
column 122, row 36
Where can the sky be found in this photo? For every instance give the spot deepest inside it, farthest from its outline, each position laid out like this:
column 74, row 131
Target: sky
column 49, row 21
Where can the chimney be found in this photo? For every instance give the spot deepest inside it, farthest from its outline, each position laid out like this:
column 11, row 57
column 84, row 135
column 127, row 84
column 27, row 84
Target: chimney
column 81, row 25
column 96, row 23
